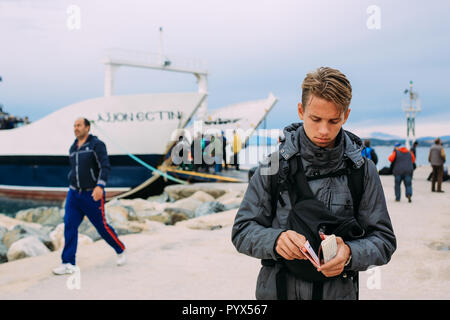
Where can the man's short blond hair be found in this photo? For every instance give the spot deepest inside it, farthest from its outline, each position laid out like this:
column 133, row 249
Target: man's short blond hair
column 329, row 84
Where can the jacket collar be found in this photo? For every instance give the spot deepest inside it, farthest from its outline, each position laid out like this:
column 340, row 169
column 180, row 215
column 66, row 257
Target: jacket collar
column 296, row 142
column 89, row 138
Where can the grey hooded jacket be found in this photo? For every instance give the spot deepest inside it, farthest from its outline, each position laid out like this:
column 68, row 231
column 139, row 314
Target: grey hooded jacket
column 255, row 230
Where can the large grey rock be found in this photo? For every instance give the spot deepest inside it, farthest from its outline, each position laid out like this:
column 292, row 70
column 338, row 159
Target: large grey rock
column 230, row 195
column 3, row 253
column 57, row 237
column 231, row 203
column 116, row 214
column 177, row 217
column 162, row 217
column 208, row 208
column 185, row 212
column 19, row 232
column 47, row 216
column 188, row 203
column 202, row 196
column 29, row 246
column 162, row 198
column 121, row 228
column 178, row 192
column 3, row 230
column 132, row 214
column 8, row 222
column 88, row 229
column 210, row 222
column 137, row 204
column 141, row 216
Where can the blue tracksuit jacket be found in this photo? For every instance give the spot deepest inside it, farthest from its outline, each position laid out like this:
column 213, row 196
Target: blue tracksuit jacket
column 89, row 165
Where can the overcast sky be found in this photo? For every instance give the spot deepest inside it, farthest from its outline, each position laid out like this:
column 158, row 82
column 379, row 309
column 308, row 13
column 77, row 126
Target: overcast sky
column 251, row 48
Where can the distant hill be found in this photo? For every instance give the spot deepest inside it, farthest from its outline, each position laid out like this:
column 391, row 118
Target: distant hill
column 382, row 142
column 423, row 141
column 382, row 136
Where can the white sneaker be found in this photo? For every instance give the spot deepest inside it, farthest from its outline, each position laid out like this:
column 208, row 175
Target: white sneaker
column 64, row 268
column 121, row 258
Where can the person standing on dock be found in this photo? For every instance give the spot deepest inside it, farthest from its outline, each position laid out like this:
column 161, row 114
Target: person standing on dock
column 86, row 196
column 217, row 152
column 369, row 152
column 237, row 146
column 413, row 151
column 436, row 157
column 414, row 148
column 196, row 151
column 403, row 166
column 224, row 150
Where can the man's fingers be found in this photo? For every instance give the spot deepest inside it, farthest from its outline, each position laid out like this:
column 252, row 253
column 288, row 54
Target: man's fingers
column 290, row 250
column 332, row 263
column 288, row 246
column 297, row 239
column 293, row 249
column 284, row 254
column 297, row 242
column 97, row 194
column 332, row 273
column 339, row 260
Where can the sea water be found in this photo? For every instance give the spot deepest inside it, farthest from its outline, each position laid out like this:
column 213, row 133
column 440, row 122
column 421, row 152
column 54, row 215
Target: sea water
column 252, row 155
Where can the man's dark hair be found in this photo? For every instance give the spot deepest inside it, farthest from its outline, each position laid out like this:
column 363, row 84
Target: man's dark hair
column 437, row 141
column 367, row 143
column 87, row 123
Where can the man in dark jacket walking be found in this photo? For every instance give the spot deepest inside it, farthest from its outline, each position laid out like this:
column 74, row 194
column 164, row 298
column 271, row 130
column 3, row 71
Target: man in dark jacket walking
column 321, row 148
column 436, row 158
column 403, row 165
column 87, row 180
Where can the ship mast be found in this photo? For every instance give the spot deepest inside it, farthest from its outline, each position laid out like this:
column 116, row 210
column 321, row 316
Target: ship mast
column 116, row 58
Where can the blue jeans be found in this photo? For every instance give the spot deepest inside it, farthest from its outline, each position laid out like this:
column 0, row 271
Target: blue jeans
column 407, row 180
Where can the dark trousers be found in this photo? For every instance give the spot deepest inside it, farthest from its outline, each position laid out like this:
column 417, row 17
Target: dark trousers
column 437, row 176
column 236, row 160
column 79, row 204
column 407, row 180
column 224, row 152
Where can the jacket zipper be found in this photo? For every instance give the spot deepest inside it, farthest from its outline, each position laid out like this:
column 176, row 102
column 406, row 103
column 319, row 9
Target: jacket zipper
column 92, row 174
column 76, row 170
column 329, row 199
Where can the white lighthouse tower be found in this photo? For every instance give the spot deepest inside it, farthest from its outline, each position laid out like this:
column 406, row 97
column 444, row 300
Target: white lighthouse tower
column 411, row 106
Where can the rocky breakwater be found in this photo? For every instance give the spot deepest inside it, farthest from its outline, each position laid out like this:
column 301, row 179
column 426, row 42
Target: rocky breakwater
column 37, row 231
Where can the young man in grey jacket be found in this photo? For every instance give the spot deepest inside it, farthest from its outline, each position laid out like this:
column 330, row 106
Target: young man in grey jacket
column 324, row 148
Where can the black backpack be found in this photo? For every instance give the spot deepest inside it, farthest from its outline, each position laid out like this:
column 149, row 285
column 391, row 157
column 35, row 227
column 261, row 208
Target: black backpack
column 280, row 180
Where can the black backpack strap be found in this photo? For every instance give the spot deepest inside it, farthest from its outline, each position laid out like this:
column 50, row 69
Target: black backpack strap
column 283, row 176
column 338, row 173
column 274, row 191
column 355, row 180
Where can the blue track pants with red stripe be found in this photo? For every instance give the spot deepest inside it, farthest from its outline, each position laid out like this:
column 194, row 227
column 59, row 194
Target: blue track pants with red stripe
column 79, row 204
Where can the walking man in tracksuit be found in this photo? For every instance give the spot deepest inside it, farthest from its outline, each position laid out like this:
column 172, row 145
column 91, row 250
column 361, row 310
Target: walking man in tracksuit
column 88, row 175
